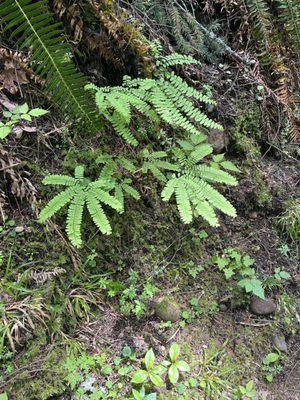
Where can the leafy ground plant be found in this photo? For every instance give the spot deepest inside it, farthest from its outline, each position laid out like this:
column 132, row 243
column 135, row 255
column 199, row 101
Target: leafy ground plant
column 271, row 366
column 18, row 114
column 151, row 372
column 175, row 366
column 238, row 268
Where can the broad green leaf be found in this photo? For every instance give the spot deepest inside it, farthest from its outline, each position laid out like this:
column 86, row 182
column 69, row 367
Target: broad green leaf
column 26, row 117
column 149, row 359
column 271, row 358
column 137, row 395
column 229, row 166
column 173, row 374
column 3, row 396
column 156, row 380
column 37, row 112
column 139, row 376
column 23, row 109
column 182, row 366
column 174, row 352
column 4, row 131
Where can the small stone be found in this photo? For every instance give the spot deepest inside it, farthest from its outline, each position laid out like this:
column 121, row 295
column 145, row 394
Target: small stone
column 223, row 307
column 253, row 215
column 19, row 229
column 218, row 139
column 167, row 309
column 280, row 343
column 262, row 306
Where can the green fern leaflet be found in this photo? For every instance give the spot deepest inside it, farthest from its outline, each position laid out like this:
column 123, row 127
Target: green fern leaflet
column 79, row 192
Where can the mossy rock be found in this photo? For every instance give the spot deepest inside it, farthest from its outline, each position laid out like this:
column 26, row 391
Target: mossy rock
column 167, row 309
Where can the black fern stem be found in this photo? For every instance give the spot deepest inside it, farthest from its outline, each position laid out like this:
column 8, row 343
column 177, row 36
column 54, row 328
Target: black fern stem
column 31, row 22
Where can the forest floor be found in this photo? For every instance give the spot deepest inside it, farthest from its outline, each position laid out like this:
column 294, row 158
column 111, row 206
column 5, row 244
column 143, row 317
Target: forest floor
column 75, row 321
column 102, row 301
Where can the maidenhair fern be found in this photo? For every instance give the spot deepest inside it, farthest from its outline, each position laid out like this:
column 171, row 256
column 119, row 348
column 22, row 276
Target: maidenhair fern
column 79, row 192
column 113, row 168
column 166, row 97
column 191, row 184
column 31, row 22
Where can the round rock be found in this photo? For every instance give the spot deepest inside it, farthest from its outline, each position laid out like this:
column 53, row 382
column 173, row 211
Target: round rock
column 280, row 343
column 262, row 306
column 167, row 309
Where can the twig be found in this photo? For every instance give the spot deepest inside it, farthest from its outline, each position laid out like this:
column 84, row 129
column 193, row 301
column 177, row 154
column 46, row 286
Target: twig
column 256, row 325
column 172, row 337
column 10, row 166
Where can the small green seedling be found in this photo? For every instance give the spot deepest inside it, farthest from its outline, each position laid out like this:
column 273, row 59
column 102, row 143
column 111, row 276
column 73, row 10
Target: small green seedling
column 19, row 113
column 248, row 391
column 175, row 366
column 240, row 269
column 152, row 372
column 271, row 366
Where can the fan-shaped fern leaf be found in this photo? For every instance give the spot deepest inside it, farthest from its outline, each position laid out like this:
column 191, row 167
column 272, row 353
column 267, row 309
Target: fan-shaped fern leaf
column 32, row 22
column 216, row 175
column 82, row 191
column 219, row 201
column 63, row 180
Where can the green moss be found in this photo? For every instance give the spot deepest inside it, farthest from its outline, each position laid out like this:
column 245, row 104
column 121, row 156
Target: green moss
column 41, row 373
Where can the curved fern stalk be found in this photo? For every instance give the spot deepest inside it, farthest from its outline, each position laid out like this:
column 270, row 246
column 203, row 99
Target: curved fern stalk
column 33, row 24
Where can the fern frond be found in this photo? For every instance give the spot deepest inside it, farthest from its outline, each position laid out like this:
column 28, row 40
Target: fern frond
column 98, row 216
column 183, row 202
column 107, row 199
column 32, row 22
column 201, row 151
column 169, row 189
column 63, row 180
column 175, row 59
column 290, row 17
column 219, row 201
column 74, row 219
column 206, row 211
column 261, row 17
column 216, row 175
column 58, row 202
column 131, row 191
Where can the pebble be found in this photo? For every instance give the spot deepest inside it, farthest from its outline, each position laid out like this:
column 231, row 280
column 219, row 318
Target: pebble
column 262, row 306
